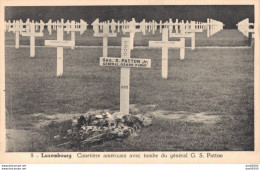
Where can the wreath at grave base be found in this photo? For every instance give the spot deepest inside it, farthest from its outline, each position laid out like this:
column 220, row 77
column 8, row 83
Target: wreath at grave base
column 95, row 128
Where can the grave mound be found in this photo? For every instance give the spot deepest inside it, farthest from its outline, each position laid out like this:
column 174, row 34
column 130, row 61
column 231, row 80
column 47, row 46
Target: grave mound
column 95, row 128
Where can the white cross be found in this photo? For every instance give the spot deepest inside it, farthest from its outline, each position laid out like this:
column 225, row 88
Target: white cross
column 143, row 26
column 132, row 30
column 113, row 26
column 17, row 28
column 74, row 27
column 105, row 36
column 154, row 26
column 165, row 44
column 176, row 25
column 192, row 28
column 185, row 35
column 49, row 26
column 208, row 27
column 82, row 26
column 95, row 26
column 118, row 26
column 32, row 34
column 125, row 62
column 170, row 25
column 59, row 43
column 160, row 25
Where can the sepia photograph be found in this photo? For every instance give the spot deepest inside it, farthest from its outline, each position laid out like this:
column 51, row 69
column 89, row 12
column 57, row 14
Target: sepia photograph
column 113, row 78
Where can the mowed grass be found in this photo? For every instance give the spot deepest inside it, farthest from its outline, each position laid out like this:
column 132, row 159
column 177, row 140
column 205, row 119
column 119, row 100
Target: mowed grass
column 219, row 81
column 222, row 38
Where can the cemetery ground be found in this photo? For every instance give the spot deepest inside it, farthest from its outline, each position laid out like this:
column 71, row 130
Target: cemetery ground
column 207, row 103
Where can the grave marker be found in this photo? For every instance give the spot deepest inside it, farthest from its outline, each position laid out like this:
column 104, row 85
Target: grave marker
column 170, row 25
column 27, row 25
column 118, row 26
column 95, row 26
column 105, row 36
column 125, row 62
column 132, row 30
column 124, row 26
column 185, row 35
column 74, row 26
column 160, row 26
column 17, row 36
column 208, row 27
column 32, row 34
column 165, row 44
column 152, row 26
column 49, row 26
column 143, row 26
column 192, row 28
column 17, row 28
column 59, row 43
column 244, row 27
column 182, row 27
column 113, row 25
column 176, row 26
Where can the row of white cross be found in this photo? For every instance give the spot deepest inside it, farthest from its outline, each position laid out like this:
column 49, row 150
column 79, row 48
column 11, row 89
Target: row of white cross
column 165, row 44
column 35, row 29
column 182, row 30
column 127, row 26
column 152, row 26
column 20, row 26
column 30, row 28
column 244, row 27
column 125, row 62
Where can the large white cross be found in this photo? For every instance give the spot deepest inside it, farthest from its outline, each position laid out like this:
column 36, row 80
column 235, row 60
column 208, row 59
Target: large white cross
column 59, row 43
column 32, row 34
column 125, row 62
column 165, row 44
column 105, row 36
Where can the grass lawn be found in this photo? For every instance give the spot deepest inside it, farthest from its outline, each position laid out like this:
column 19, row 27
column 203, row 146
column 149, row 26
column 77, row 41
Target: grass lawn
column 219, row 82
column 206, row 104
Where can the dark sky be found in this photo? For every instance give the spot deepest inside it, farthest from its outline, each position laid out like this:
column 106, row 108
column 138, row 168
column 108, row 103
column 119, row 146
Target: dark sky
column 230, row 15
